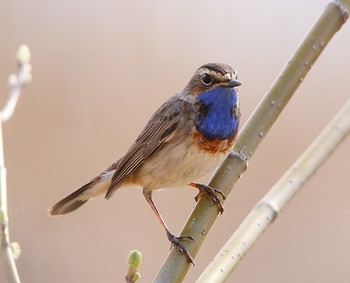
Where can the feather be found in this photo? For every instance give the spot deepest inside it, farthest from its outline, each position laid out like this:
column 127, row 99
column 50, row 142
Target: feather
column 158, row 131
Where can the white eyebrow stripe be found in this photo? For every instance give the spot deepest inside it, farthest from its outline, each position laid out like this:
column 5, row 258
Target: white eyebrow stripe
column 229, row 76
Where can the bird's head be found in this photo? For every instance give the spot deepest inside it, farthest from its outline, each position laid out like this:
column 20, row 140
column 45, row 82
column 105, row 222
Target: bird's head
column 210, row 76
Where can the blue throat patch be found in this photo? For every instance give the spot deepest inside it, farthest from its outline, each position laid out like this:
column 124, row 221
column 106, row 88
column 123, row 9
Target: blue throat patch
column 215, row 120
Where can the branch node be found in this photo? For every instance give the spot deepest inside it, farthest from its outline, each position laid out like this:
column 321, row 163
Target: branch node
column 343, row 9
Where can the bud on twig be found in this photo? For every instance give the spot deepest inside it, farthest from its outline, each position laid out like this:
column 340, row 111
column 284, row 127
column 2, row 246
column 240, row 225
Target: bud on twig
column 23, row 54
column 134, row 262
column 16, row 250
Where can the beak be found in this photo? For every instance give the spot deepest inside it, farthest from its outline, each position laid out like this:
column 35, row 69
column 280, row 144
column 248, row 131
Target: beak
column 233, row 83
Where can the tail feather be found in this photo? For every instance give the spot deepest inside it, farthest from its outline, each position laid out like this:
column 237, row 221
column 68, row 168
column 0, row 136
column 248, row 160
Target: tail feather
column 70, row 202
column 95, row 187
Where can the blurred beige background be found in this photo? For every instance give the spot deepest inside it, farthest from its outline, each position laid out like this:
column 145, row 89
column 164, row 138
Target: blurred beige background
column 100, row 69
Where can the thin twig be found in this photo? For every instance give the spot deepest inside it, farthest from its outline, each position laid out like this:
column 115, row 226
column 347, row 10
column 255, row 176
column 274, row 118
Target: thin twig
column 269, row 207
column 16, row 84
column 204, row 214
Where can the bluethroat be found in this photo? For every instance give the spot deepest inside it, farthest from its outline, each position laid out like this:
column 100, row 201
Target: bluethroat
column 187, row 137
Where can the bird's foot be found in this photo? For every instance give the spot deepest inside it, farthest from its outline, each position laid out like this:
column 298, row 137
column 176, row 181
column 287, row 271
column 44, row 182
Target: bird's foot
column 213, row 194
column 176, row 243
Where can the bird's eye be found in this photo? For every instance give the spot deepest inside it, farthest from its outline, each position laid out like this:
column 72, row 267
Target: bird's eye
column 207, row 79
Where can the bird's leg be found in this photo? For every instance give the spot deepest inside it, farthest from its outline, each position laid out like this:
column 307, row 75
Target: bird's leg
column 175, row 241
column 211, row 193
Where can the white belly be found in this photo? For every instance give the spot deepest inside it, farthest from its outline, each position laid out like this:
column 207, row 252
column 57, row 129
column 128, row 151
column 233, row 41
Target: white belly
column 175, row 166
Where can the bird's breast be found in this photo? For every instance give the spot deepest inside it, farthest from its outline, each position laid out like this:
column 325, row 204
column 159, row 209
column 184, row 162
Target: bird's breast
column 212, row 146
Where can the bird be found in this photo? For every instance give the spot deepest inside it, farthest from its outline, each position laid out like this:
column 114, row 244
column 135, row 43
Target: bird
column 186, row 138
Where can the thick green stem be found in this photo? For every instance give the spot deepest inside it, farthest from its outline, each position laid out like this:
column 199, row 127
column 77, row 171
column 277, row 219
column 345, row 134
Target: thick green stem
column 269, row 207
column 204, row 214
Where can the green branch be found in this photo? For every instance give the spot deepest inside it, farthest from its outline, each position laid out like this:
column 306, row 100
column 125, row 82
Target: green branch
column 204, row 214
column 269, row 207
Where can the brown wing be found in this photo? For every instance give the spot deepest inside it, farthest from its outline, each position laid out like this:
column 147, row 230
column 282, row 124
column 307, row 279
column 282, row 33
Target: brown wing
column 158, row 131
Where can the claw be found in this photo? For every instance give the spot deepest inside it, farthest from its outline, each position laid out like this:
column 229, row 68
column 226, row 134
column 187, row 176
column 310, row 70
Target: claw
column 175, row 242
column 210, row 193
